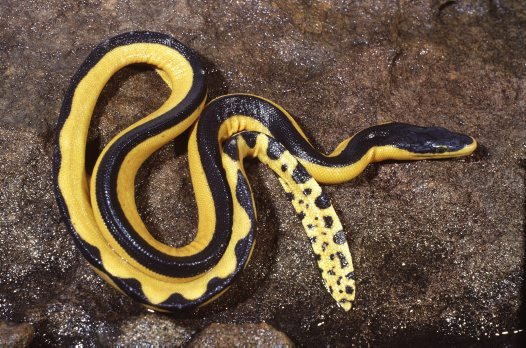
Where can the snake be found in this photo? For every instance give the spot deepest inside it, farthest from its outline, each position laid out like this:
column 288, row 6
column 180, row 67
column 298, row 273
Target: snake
column 100, row 211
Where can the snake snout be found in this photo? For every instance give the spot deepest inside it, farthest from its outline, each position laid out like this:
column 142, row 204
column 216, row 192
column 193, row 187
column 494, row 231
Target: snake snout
column 447, row 141
column 437, row 140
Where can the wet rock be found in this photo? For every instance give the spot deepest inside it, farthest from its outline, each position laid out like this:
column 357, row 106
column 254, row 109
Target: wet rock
column 15, row 335
column 152, row 330
column 35, row 252
column 66, row 324
column 241, row 335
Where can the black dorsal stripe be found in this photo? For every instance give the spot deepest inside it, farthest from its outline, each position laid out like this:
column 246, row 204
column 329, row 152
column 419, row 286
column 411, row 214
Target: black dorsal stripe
column 195, row 96
column 106, row 179
column 400, row 135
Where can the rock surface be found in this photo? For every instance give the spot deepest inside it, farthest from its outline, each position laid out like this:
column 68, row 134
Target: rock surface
column 151, row 331
column 438, row 246
column 240, row 335
column 15, row 335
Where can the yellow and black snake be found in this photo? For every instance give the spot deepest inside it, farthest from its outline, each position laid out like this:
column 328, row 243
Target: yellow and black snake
column 101, row 214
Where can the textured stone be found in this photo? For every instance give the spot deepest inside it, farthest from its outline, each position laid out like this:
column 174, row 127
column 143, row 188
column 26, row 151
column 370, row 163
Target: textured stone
column 15, row 335
column 152, row 331
column 241, row 335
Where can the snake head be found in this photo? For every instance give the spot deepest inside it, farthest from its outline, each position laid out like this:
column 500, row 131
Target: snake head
column 400, row 141
column 433, row 141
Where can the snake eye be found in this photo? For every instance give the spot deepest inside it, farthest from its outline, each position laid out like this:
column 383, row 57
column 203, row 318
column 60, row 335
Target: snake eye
column 441, row 149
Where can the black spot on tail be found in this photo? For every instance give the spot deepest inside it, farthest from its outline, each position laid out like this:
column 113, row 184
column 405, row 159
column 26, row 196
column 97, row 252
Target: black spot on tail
column 300, row 175
column 307, row 191
column 328, row 221
column 301, row 215
column 350, row 275
column 322, row 201
column 343, row 260
column 284, row 168
column 339, row 237
column 349, row 290
column 274, row 149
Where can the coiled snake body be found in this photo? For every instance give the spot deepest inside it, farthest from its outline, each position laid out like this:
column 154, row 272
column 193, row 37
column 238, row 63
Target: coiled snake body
column 101, row 214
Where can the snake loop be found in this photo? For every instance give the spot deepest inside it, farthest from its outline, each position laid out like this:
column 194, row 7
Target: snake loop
column 101, row 213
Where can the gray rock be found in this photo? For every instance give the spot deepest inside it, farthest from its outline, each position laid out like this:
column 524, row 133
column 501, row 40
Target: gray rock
column 152, row 331
column 241, row 335
column 15, row 335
